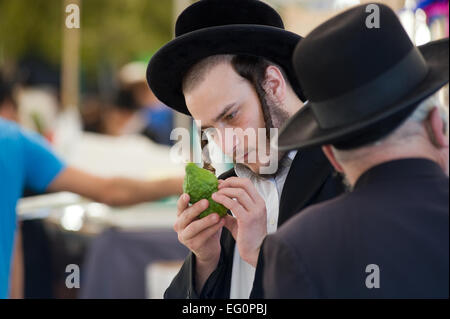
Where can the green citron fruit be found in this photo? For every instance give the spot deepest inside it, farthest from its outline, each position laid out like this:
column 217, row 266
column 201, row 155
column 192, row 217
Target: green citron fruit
column 200, row 184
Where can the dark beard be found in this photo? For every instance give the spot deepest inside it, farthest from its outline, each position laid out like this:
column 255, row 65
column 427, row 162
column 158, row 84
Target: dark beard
column 274, row 117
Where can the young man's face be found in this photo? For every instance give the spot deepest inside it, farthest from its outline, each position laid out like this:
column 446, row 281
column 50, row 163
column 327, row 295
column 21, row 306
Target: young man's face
column 225, row 102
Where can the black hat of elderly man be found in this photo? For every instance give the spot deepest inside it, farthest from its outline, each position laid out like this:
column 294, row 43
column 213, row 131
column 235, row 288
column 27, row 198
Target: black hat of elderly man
column 361, row 81
column 212, row 27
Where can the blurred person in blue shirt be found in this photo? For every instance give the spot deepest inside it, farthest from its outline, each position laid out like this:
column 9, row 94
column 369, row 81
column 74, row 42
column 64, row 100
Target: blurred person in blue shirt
column 26, row 160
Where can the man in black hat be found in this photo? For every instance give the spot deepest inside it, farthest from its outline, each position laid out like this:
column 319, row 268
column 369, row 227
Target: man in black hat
column 230, row 68
column 373, row 107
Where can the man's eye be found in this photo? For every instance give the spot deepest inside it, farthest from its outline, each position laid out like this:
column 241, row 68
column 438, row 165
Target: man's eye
column 230, row 116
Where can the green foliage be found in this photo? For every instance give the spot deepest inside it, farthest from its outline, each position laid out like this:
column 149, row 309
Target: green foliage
column 30, row 27
column 112, row 31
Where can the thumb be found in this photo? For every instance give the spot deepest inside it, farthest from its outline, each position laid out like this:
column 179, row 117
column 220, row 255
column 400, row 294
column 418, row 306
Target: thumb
column 231, row 225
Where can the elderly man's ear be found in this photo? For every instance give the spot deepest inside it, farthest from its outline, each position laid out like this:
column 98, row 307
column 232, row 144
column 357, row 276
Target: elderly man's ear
column 328, row 151
column 437, row 129
column 438, row 132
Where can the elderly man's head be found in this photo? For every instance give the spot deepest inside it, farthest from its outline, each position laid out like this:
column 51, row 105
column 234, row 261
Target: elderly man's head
column 424, row 134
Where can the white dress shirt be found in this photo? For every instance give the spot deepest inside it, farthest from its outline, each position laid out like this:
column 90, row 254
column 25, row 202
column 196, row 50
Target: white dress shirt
column 270, row 189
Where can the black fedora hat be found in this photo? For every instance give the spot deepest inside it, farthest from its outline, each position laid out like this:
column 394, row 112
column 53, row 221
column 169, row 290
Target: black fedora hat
column 361, row 82
column 212, row 27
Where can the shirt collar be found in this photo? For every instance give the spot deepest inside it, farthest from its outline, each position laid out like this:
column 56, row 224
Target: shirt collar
column 243, row 171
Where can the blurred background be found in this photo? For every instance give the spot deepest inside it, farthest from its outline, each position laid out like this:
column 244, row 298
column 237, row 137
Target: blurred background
column 84, row 90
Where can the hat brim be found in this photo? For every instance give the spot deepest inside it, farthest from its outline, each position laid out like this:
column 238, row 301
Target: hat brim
column 302, row 129
column 170, row 64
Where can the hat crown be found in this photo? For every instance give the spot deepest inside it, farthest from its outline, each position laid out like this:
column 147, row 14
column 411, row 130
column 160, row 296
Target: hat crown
column 349, row 51
column 213, row 13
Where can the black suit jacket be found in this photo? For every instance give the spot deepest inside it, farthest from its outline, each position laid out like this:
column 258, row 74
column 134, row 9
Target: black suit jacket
column 392, row 229
column 310, row 180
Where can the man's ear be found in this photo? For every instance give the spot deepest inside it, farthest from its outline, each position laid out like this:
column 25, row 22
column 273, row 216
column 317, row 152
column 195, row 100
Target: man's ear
column 275, row 84
column 436, row 129
column 330, row 155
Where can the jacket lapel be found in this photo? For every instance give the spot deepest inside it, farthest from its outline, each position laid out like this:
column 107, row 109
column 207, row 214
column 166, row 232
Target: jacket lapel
column 308, row 172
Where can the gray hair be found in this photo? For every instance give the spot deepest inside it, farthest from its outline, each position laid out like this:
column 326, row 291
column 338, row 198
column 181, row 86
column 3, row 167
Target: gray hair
column 411, row 127
column 426, row 106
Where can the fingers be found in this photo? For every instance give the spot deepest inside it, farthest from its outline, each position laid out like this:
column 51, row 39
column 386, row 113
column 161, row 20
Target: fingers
column 195, row 228
column 231, row 225
column 189, row 214
column 240, row 194
column 183, row 203
column 205, row 235
column 229, row 203
column 239, row 182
